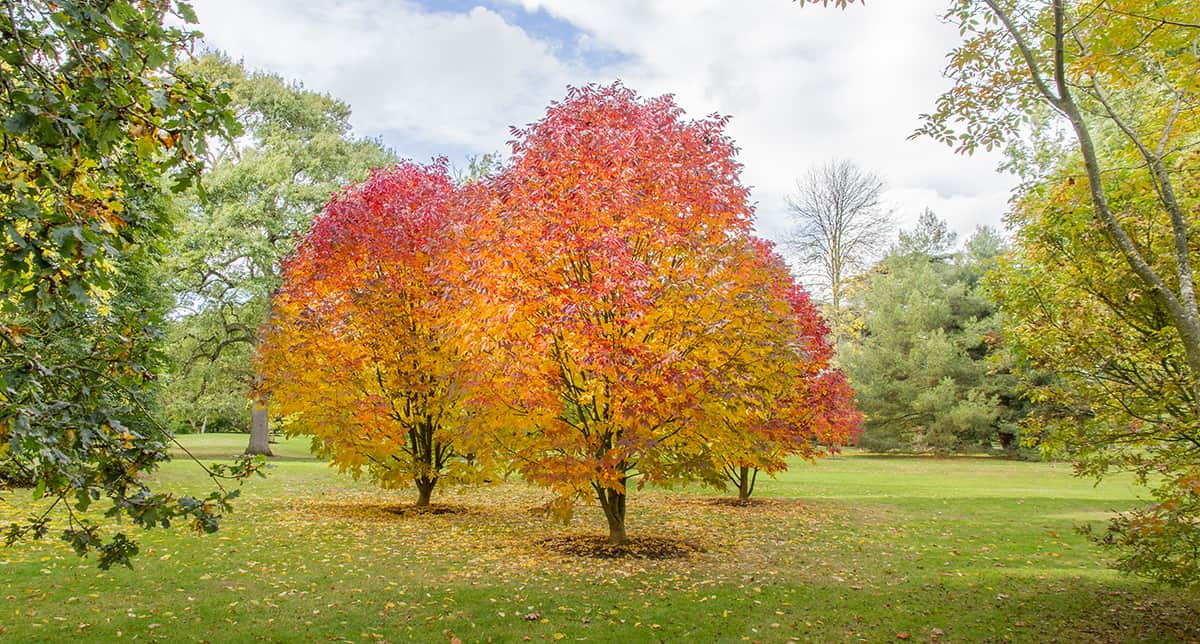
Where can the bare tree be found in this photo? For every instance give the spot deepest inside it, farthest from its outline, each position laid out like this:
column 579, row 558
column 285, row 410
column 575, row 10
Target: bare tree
column 840, row 226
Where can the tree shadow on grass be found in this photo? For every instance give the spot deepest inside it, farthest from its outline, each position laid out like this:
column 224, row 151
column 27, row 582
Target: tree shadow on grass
column 376, row 512
column 427, row 510
column 226, row 456
column 930, row 456
column 764, row 504
column 1081, row 610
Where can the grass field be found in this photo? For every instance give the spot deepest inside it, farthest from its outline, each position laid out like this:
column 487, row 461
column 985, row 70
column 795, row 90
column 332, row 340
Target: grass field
column 857, row 548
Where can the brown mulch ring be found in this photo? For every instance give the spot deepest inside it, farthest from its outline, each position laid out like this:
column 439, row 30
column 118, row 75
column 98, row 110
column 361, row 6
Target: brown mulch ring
column 641, row 547
column 732, row 502
column 369, row 511
column 434, row 508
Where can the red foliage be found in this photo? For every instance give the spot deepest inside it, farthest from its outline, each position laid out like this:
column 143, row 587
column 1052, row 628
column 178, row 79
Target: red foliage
column 600, row 305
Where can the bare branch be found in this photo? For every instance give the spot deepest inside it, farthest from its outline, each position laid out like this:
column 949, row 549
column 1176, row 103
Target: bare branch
column 840, row 223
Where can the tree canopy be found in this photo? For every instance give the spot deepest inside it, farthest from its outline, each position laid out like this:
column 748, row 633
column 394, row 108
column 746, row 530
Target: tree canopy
column 360, row 353
column 805, row 406
column 1121, row 398
column 610, row 281
column 1120, row 75
column 928, row 360
column 102, row 124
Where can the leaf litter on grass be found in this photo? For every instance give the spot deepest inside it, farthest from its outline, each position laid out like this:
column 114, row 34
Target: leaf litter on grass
column 336, row 558
column 493, row 538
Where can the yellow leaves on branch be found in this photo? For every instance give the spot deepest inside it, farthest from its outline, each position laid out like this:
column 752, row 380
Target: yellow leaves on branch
column 357, row 352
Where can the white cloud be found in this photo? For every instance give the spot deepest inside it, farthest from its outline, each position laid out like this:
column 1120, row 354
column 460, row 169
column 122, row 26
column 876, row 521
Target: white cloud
column 452, row 78
column 803, row 84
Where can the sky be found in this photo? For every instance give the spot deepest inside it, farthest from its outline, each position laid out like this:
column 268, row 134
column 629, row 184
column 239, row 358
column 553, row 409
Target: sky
column 802, row 85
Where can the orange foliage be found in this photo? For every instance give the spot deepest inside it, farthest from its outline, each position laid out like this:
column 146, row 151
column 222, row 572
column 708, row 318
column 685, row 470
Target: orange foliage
column 597, row 313
column 626, row 323
column 802, row 405
column 357, row 352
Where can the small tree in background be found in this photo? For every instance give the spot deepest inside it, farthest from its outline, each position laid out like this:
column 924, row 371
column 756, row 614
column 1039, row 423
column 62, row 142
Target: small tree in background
column 841, row 227
column 804, row 407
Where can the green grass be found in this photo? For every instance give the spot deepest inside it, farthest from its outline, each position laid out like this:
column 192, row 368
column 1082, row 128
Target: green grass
column 855, row 548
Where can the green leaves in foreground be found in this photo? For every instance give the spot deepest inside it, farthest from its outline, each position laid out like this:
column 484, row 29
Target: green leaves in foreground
column 145, row 508
column 100, row 119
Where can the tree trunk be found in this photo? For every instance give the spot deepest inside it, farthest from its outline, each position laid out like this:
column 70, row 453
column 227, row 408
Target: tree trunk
column 260, row 433
column 744, row 488
column 613, row 504
column 424, row 490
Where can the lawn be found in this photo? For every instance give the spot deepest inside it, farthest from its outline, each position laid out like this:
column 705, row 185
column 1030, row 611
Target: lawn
column 860, row 547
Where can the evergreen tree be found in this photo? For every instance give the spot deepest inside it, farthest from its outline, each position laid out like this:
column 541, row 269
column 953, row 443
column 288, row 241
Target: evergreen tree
column 927, row 360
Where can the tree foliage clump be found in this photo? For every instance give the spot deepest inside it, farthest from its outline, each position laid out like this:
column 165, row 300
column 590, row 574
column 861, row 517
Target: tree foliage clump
column 1121, row 398
column 100, row 124
column 1120, row 77
column 928, row 362
column 624, row 318
column 594, row 315
column 802, row 405
column 360, row 353
column 1119, row 322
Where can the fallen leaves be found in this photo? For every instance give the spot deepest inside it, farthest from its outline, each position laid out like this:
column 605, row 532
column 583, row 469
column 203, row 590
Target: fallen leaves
column 418, row 511
column 733, row 502
column 315, row 557
column 645, row 547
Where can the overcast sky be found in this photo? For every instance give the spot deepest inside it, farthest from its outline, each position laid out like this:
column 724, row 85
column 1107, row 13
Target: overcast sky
column 802, row 85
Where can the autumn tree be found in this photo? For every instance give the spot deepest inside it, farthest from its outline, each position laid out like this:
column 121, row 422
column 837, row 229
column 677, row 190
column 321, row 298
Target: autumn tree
column 261, row 193
column 359, row 353
column 804, row 406
column 604, row 295
column 101, row 124
column 1120, row 399
column 1121, row 75
column 840, row 226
